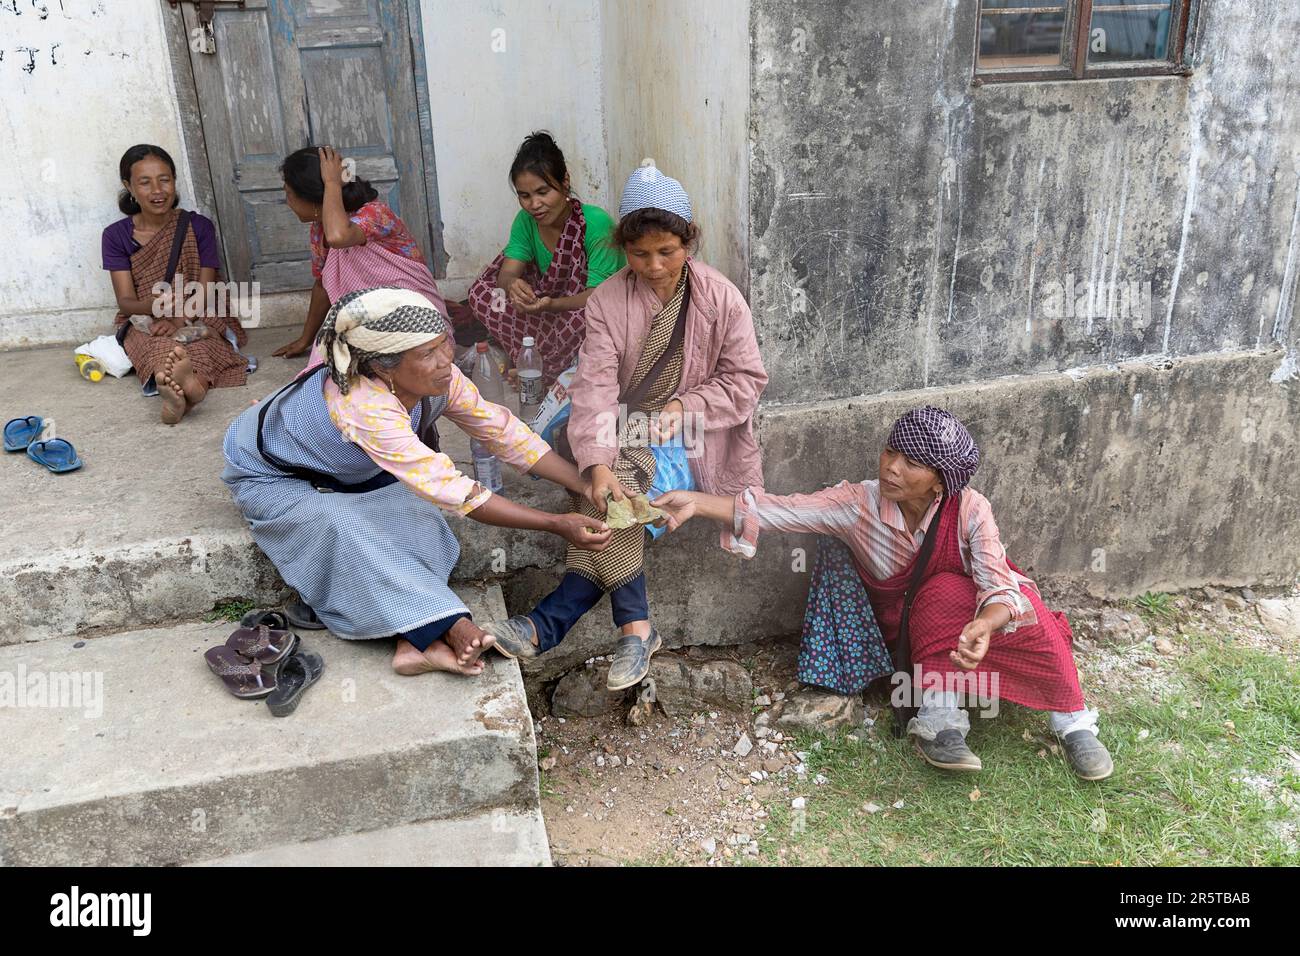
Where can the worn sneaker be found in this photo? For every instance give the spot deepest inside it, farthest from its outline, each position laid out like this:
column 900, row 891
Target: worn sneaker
column 1088, row 756
column 948, row 751
column 631, row 662
column 513, row 637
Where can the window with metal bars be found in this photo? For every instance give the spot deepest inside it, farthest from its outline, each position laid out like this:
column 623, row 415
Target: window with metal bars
column 1080, row 39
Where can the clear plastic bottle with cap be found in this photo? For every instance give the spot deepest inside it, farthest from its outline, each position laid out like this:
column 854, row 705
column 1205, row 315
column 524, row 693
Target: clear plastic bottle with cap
column 487, row 379
column 529, row 369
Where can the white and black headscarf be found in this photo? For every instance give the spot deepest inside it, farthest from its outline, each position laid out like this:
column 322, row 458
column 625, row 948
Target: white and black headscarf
column 370, row 322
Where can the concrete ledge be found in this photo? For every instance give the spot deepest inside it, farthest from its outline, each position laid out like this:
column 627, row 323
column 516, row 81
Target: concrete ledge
column 495, row 838
column 154, row 763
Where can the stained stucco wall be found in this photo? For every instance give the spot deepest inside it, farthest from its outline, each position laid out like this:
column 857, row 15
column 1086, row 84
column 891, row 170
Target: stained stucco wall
column 498, row 71
column 80, row 82
column 911, row 229
column 677, row 91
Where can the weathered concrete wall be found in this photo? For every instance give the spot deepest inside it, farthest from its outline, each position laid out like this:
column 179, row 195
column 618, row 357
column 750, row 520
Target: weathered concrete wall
column 676, row 86
column 497, row 72
column 911, row 229
column 83, row 80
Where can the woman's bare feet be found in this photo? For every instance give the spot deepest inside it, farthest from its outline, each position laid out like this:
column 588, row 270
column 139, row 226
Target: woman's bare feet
column 409, row 661
column 468, row 640
column 174, row 405
column 177, row 367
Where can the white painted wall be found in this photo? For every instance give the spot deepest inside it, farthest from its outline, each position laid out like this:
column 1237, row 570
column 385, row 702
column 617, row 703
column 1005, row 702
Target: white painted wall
column 498, row 71
column 613, row 81
column 98, row 82
column 677, row 91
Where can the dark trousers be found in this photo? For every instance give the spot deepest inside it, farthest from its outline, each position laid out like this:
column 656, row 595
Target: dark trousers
column 425, row 635
column 556, row 614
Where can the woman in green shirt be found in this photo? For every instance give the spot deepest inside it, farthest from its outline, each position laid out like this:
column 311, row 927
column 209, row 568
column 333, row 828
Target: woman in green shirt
column 559, row 250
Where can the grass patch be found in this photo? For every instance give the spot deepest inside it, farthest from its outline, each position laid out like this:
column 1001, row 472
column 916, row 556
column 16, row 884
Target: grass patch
column 1199, row 779
column 228, row 611
column 1158, row 606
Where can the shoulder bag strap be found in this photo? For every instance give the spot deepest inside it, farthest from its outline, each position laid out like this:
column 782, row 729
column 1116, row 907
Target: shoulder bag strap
column 903, row 644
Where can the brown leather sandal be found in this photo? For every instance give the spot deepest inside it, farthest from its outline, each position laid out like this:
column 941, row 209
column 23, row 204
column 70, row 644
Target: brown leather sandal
column 262, row 644
column 244, row 678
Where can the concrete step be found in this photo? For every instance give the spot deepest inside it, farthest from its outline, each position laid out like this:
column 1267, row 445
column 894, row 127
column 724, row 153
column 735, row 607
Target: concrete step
column 146, row 532
column 128, row 751
column 493, row 838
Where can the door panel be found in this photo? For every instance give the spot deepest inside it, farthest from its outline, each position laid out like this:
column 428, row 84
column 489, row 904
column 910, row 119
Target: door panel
column 288, row 73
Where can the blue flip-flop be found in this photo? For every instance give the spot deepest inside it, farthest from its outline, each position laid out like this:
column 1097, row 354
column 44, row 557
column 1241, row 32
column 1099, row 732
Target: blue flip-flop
column 21, row 432
column 56, row 454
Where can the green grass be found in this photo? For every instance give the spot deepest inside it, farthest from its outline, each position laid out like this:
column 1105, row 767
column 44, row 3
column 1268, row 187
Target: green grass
column 1159, row 606
column 1173, row 799
column 228, row 611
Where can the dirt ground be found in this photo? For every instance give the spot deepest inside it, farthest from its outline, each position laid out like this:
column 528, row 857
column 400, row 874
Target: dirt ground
column 674, row 792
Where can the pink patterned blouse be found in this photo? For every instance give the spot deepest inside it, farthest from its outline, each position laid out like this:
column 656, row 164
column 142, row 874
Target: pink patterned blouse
column 370, row 416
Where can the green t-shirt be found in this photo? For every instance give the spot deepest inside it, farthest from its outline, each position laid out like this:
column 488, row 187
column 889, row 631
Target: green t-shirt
column 603, row 258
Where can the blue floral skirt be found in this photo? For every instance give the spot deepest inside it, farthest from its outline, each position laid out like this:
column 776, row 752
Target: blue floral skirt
column 842, row 647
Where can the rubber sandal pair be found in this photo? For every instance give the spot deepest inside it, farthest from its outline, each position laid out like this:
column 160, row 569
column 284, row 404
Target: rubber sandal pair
column 249, row 660
column 264, row 658
column 56, row 454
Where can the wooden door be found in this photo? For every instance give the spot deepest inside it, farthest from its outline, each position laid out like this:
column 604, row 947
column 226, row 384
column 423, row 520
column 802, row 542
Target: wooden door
column 289, row 73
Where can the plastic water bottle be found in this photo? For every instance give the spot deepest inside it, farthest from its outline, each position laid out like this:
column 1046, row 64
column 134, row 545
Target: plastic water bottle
column 529, row 370
column 487, row 379
column 90, row 368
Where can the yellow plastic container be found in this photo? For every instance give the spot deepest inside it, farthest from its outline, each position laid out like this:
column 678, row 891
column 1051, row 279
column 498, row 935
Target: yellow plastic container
column 89, row 367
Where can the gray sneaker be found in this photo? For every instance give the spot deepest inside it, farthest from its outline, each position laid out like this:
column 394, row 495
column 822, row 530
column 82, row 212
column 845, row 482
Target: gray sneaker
column 1088, row 756
column 513, row 637
column 631, row 662
column 948, row 751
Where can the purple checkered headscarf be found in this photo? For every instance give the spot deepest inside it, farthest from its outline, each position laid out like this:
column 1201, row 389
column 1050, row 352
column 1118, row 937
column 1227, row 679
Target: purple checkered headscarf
column 936, row 438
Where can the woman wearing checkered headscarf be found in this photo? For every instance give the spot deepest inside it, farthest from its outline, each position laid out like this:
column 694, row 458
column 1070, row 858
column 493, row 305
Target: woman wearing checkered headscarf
column 373, row 559
column 977, row 626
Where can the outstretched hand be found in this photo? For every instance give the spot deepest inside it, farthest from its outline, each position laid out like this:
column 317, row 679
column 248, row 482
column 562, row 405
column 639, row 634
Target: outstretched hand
column 678, row 506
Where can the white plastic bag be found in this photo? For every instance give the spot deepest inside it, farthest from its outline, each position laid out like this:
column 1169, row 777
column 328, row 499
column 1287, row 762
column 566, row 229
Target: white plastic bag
column 109, row 353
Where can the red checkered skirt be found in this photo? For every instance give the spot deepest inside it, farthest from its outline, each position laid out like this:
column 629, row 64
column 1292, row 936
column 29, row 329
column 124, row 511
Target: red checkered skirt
column 557, row 335
column 1034, row 663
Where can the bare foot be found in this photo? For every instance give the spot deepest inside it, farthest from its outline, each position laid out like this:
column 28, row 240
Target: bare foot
column 178, row 368
column 174, row 405
column 408, row 661
column 468, row 640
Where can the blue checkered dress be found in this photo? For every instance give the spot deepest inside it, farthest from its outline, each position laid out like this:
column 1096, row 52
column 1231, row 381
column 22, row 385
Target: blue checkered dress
column 371, row 564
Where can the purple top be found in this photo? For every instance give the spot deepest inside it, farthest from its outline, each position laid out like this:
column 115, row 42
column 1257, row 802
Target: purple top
column 118, row 244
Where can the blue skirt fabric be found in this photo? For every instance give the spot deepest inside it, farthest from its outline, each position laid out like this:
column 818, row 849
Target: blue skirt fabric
column 370, row 564
column 842, row 647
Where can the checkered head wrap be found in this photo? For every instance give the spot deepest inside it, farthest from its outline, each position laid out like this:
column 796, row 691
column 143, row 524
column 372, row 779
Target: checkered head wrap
column 370, row 322
column 937, row 439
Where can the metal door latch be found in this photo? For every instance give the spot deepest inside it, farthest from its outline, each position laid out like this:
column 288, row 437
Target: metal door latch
column 202, row 37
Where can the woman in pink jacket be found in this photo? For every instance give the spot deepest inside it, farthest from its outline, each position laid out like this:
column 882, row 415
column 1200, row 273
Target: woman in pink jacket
column 668, row 379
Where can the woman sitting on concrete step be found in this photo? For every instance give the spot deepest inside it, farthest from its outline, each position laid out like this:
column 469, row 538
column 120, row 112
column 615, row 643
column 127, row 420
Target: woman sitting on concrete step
column 373, row 559
column 667, row 383
column 143, row 254
column 357, row 241
column 976, row 627
column 559, row 251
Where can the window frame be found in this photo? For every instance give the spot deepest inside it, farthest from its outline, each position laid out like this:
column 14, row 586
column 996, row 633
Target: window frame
column 1075, row 56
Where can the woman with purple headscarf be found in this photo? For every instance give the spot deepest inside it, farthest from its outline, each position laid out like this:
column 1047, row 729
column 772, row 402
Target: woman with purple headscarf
column 916, row 566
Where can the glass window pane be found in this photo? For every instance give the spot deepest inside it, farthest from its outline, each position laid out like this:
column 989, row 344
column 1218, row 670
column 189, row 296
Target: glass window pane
column 1022, row 33
column 1128, row 31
